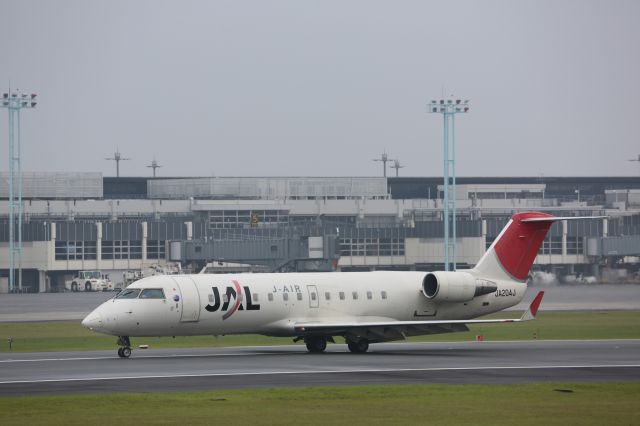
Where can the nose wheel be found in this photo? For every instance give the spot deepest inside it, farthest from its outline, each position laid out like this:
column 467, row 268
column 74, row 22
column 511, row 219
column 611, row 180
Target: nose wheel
column 125, row 347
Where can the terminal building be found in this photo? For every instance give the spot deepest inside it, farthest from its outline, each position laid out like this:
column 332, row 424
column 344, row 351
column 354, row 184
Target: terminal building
column 84, row 221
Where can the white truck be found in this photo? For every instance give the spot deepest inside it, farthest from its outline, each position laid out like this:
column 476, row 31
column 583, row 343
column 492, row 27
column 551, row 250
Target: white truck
column 89, row 281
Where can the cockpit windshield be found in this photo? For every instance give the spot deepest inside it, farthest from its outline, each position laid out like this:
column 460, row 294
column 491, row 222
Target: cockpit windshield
column 128, row 293
column 152, row 293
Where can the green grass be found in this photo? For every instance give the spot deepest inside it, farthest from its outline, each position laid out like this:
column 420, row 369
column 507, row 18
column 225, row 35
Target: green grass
column 530, row 404
column 70, row 335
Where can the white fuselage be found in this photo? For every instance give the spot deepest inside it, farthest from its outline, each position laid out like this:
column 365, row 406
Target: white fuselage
column 270, row 304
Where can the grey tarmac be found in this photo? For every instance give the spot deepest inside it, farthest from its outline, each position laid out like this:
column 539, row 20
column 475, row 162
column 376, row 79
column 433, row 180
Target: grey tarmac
column 285, row 366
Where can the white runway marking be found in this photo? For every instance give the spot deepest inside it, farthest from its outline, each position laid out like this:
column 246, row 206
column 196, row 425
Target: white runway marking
column 136, row 357
column 396, row 345
column 267, row 373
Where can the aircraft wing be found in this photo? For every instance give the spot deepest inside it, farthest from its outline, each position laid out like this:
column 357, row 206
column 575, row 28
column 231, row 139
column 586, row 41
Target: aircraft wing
column 390, row 330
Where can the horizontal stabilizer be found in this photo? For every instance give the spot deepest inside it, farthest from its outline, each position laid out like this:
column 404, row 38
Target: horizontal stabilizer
column 556, row 218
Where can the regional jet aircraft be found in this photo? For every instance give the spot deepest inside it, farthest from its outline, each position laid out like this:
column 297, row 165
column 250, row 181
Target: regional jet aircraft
column 362, row 307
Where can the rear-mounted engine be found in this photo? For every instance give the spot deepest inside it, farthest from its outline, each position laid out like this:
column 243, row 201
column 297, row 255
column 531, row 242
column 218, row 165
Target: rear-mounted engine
column 446, row 286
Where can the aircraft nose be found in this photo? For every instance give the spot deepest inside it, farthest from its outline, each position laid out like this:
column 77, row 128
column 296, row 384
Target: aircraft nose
column 93, row 321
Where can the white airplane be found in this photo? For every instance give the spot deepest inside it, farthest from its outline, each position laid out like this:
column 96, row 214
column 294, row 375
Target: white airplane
column 362, row 307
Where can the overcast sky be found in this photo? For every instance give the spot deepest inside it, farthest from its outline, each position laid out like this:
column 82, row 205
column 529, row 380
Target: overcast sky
column 320, row 88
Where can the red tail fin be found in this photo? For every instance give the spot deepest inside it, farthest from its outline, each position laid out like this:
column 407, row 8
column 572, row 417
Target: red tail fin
column 513, row 252
column 518, row 247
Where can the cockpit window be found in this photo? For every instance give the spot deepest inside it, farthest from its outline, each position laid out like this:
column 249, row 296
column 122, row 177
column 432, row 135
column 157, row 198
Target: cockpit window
column 128, row 293
column 152, row 293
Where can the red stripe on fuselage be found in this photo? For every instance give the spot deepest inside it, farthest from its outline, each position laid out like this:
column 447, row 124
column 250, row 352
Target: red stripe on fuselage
column 518, row 247
column 236, row 305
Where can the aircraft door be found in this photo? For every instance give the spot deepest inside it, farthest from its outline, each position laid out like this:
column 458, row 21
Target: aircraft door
column 189, row 297
column 314, row 300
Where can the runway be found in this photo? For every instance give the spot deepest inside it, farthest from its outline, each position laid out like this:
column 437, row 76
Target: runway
column 278, row 366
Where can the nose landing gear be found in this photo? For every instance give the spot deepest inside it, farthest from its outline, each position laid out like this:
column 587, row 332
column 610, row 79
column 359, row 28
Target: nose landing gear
column 125, row 347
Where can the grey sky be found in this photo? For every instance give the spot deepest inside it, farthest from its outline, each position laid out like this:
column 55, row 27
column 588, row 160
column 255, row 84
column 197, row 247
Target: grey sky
column 320, row 88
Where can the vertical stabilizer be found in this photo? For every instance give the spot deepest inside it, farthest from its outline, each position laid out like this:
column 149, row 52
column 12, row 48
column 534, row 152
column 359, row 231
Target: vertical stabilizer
column 513, row 252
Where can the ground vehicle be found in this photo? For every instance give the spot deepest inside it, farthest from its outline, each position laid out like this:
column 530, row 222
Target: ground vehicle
column 89, row 281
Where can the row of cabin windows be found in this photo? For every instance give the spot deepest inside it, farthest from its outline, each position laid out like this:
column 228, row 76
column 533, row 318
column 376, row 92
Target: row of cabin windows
column 314, row 296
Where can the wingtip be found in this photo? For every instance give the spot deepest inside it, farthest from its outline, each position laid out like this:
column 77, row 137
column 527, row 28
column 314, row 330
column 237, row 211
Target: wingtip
column 533, row 308
column 536, row 303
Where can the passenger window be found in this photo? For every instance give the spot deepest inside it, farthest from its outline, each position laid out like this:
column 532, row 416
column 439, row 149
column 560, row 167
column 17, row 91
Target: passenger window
column 313, row 296
column 355, row 295
column 369, row 295
column 299, row 296
column 225, row 298
column 152, row 293
column 211, row 300
column 255, row 297
column 128, row 293
column 285, row 296
column 383, row 294
column 270, row 297
column 327, row 295
column 342, row 295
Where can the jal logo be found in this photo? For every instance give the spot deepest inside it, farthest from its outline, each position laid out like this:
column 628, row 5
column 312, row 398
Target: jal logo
column 236, row 298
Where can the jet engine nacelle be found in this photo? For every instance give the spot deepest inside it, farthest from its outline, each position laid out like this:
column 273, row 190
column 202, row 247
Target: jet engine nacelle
column 448, row 286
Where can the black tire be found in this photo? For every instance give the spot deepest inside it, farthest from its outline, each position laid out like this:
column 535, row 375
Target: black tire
column 359, row 347
column 87, row 286
column 120, row 354
column 126, row 352
column 316, row 344
column 74, row 286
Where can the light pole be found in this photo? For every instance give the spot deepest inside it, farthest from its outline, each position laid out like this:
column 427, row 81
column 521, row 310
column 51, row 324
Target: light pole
column 449, row 108
column 154, row 165
column 384, row 158
column 117, row 158
column 14, row 103
column 396, row 165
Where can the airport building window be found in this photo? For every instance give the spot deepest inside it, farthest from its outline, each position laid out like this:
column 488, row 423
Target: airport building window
column 372, row 246
column 327, row 295
column 551, row 245
column 230, row 219
column 299, row 296
column 285, row 296
column 270, row 297
column 383, row 294
column 369, row 295
column 155, row 249
column 75, row 250
column 341, row 294
column 124, row 249
column 152, row 293
column 575, row 245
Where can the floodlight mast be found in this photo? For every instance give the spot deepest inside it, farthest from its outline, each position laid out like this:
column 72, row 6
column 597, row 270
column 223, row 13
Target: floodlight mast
column 154, row 165
column 117, row 158
column 384, row 158
column 14, row 103
column 397, row 166
column 449, row 108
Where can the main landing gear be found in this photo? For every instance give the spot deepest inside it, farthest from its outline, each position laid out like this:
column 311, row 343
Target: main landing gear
column 316, row 344
column 358, row 346
column 125, row 347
